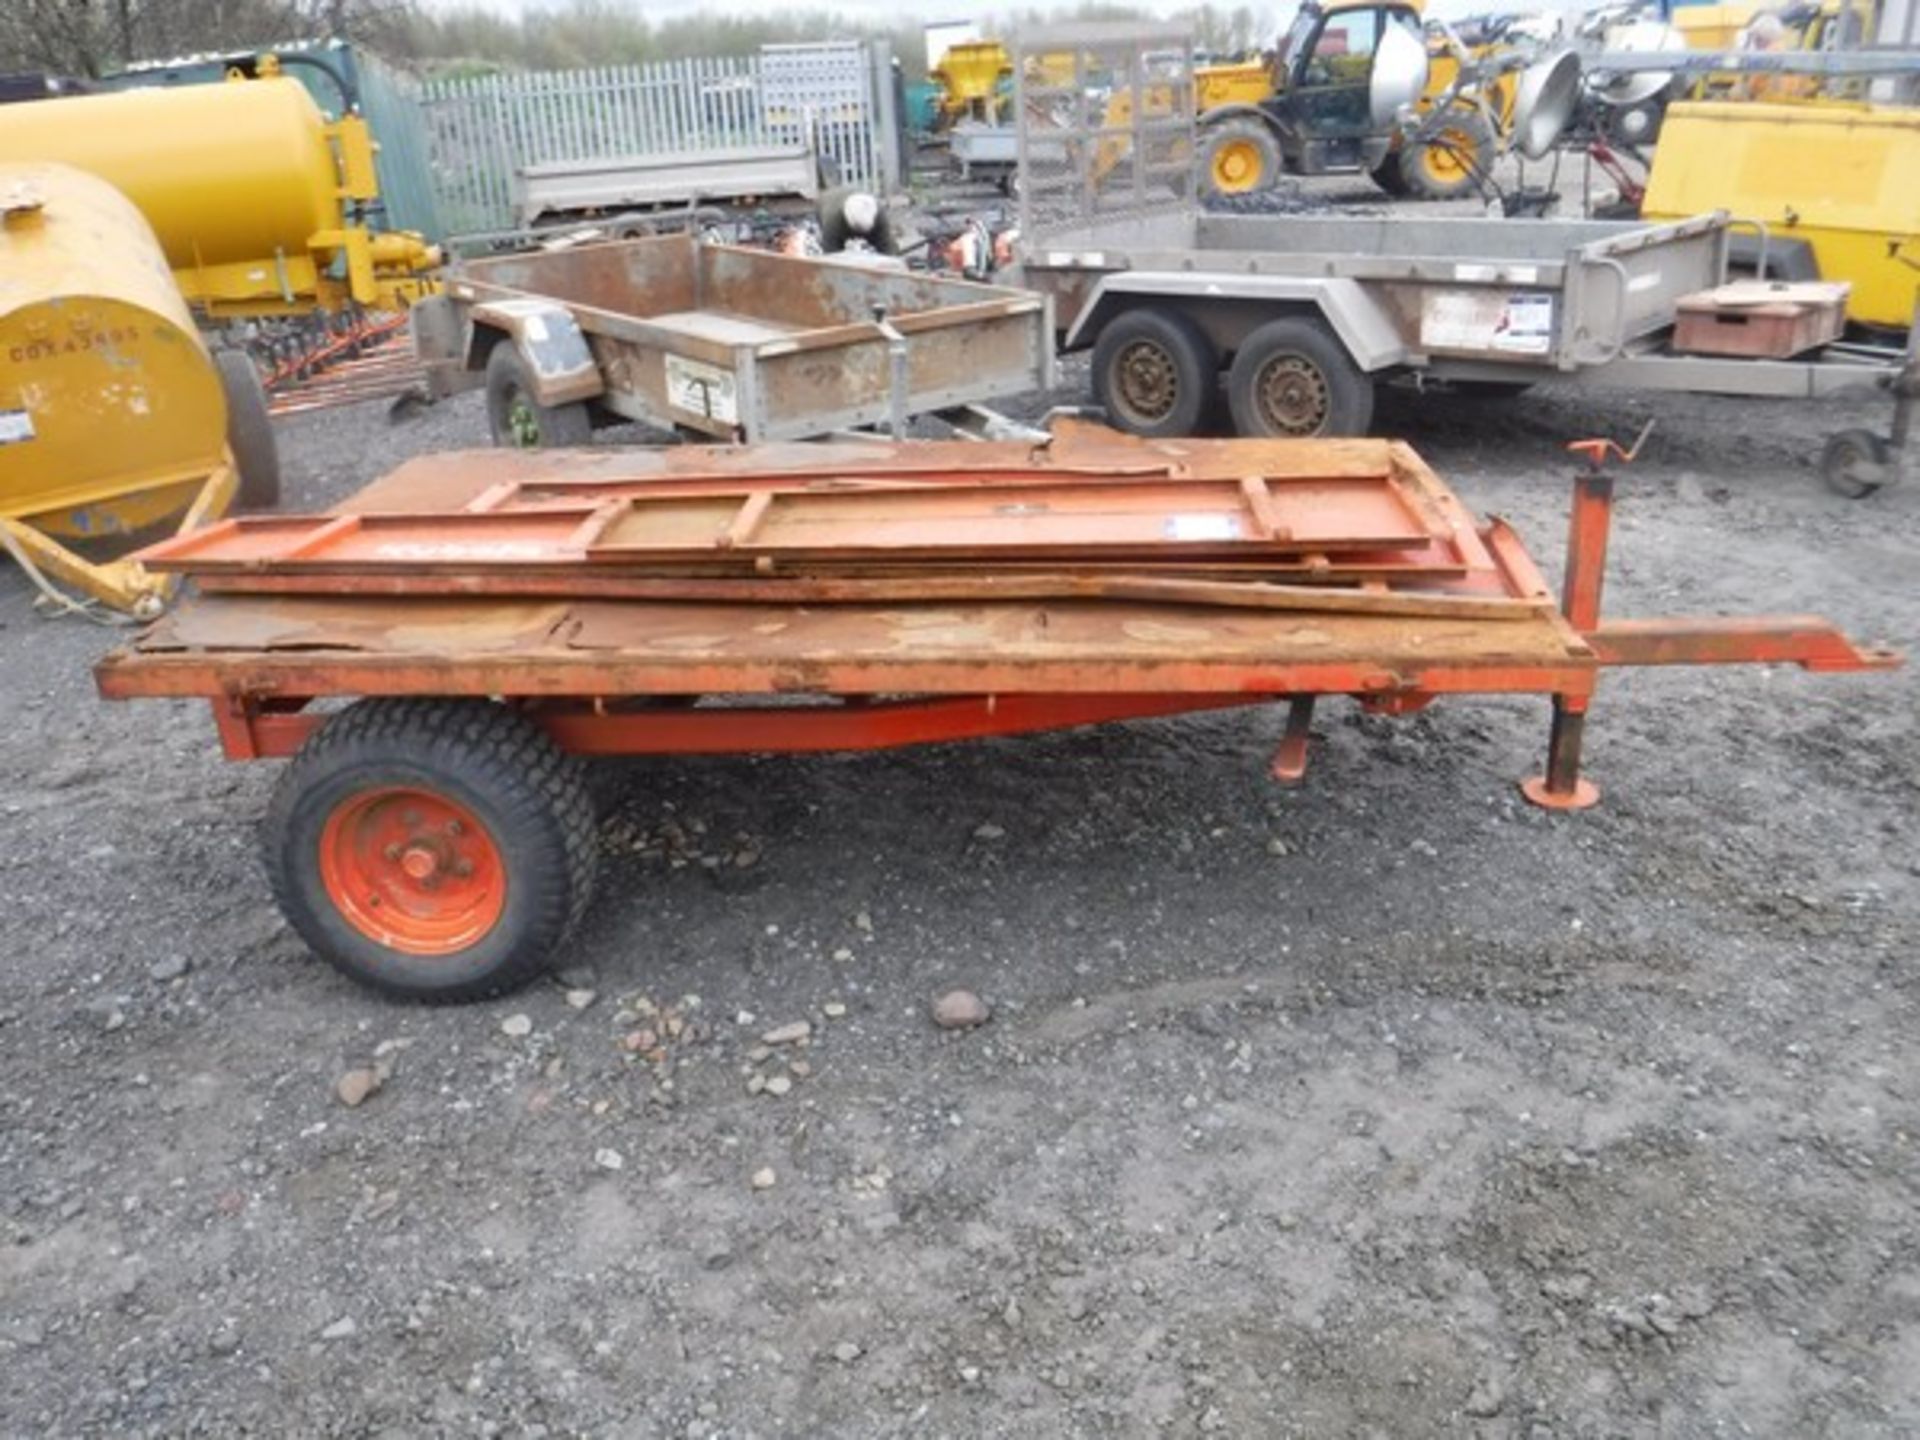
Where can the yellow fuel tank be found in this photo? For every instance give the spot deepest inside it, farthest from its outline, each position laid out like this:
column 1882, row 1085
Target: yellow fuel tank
column 243, row 182
column 112, row 413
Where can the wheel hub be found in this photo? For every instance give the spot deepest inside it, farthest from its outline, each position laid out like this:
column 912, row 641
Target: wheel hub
column 413, row 870
column 1146, row 383
column 1293, row 396
column 1236, row 166
column 1445, row 155
column 523, row 425
column 420, row 863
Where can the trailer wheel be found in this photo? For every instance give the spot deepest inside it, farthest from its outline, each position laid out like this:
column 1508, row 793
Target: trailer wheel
column 1856, row 463
column 516, row 419
column 434, row 849
column 1155, row 373
column 1452, row 161
column 1293, row 379
column 249, row 429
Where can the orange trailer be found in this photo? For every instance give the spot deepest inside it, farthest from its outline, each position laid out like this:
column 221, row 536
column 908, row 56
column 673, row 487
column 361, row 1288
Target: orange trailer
column 434, row 838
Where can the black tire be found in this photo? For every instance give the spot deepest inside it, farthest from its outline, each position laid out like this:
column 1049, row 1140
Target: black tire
column 1249, row 137
column 519, row 422
column 1155, row 373
column 1454, row 162
column 1388, row 177
column 256, row 455
column 1856, row 463
column 535, row 831
column 1293, row 378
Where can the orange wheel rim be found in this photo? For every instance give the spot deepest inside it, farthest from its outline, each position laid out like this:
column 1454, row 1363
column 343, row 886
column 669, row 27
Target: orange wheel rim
column 412, row 870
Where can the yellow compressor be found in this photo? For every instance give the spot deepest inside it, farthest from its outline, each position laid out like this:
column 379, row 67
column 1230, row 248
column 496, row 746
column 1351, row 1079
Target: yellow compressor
column 1842, row 177
column 252, row 192
column 114, row 415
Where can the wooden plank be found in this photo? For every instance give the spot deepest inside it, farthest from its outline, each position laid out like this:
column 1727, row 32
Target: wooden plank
column 941, row 588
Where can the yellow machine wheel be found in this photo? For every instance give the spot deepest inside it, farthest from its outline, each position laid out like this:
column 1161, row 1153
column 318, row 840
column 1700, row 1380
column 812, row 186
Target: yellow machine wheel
column 1448, row 163
column 1240, row 156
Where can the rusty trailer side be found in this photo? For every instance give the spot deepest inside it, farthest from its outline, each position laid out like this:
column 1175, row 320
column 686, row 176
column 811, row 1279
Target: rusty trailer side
column 738, row 344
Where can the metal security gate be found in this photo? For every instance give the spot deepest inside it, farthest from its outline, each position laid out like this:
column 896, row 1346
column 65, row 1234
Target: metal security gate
column 825, row 92
column 481, row 130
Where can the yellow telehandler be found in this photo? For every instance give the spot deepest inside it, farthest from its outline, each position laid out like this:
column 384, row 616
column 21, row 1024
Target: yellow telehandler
column 1305, row 111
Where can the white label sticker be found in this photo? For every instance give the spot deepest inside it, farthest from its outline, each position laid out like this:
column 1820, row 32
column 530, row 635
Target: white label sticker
column 704, row 390
column 16, row 426
column 1486, row 320
column 1526, row 325
column 1497, row 274
column 1202, row 527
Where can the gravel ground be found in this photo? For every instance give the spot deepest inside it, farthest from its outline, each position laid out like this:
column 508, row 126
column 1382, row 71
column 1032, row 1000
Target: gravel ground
column 1384, row 1105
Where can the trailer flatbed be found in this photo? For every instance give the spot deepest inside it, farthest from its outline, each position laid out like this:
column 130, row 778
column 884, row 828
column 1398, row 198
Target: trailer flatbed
column 408, row 817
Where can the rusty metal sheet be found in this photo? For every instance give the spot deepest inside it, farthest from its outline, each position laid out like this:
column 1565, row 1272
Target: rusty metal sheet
column 828, row 523
column 1158, row 522
column 449, row 480
column 1260, row 592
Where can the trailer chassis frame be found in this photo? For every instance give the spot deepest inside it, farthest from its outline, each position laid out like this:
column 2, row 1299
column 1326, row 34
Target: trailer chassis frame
column 592, row 710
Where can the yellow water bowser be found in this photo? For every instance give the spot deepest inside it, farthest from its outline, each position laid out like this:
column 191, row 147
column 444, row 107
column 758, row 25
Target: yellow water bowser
column 248, row 186
column 1843, row 177
column 114, row 415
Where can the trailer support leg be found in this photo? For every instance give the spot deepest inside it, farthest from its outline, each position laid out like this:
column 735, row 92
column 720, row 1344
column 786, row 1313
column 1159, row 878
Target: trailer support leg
column 1290, row 760
column 1562, row 787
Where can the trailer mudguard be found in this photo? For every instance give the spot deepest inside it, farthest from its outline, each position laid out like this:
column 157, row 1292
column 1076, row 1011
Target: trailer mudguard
column 1349, row 309
column 548, row 339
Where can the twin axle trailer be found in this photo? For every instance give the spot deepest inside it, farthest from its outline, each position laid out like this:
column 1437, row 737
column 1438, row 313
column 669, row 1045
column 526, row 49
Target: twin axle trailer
column 496, row 619
column 1302, row 318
